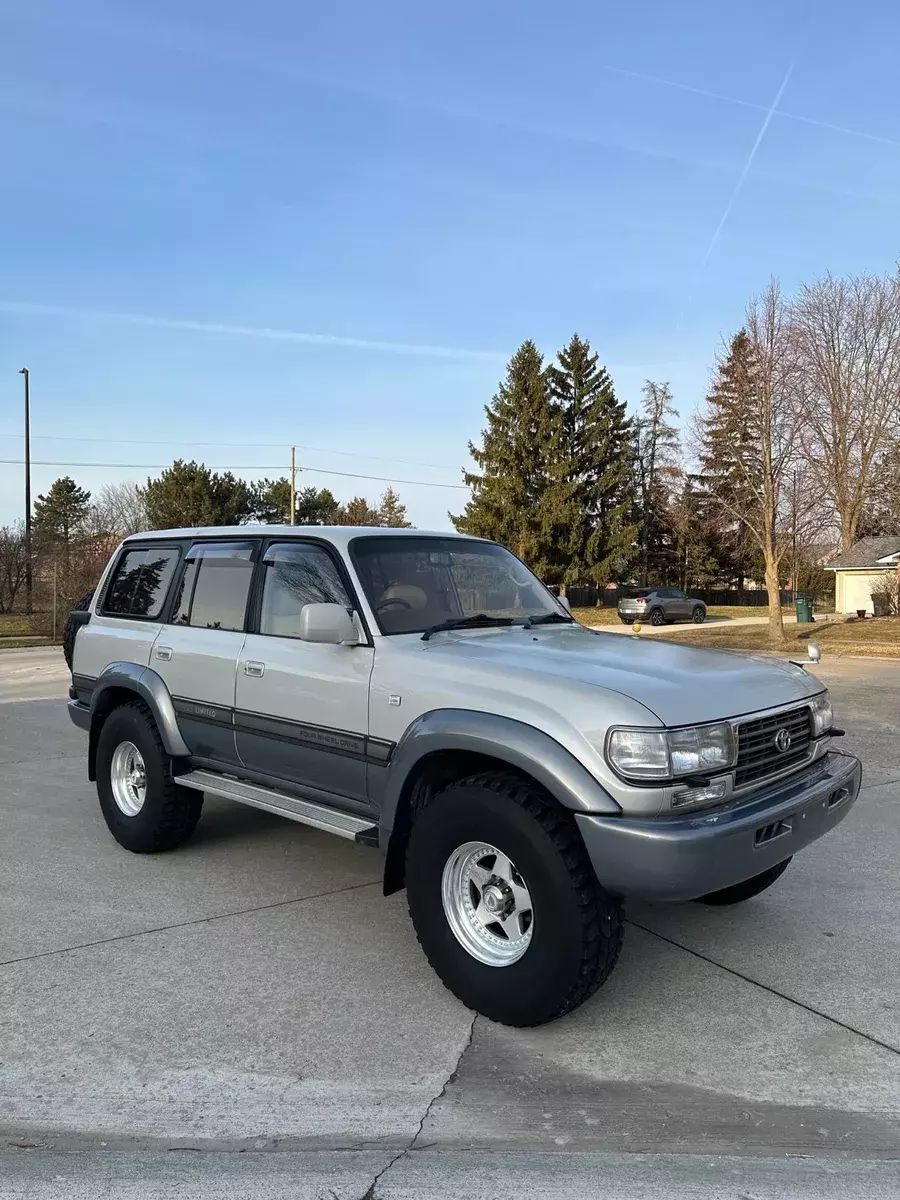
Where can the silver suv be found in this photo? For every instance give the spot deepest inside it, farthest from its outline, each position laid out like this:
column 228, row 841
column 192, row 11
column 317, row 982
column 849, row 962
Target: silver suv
column 426, row 695
column 660, row 606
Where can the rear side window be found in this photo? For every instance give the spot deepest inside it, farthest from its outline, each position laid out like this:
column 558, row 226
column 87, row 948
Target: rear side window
column 215, row 585
column 140, row 583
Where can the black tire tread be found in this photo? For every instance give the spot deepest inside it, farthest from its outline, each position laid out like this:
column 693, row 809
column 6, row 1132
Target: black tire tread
column 180, row 808
column 601, row 947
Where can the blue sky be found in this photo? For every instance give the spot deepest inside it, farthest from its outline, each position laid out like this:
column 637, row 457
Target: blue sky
column 329, row 225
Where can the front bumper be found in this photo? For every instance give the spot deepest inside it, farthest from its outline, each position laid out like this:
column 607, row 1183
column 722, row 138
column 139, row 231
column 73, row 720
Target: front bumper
column 681, row 858
column 79, row 714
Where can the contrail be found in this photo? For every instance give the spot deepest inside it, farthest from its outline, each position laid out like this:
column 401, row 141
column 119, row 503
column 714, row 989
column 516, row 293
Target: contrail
column 747, row 165
column 24, row 308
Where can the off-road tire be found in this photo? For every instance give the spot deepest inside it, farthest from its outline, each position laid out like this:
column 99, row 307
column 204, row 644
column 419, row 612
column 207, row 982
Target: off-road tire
column 657, row 617
column 170, row 813
column 578, row 929
column 72, row 626
column 698, row 616
column 746, row 890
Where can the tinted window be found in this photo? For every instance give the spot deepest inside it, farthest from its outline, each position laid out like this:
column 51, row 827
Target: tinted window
column 140, row 583
column 297, row 574
column 215, row 585
column 413, row 583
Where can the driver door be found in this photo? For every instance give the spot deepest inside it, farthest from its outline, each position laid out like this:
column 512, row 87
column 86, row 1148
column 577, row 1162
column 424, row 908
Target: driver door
column 302, row 708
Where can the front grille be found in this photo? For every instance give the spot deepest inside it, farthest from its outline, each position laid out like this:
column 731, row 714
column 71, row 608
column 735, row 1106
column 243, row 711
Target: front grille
column 758, row 756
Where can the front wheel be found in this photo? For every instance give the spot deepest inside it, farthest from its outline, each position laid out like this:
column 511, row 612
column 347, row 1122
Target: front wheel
column 746, row 890
column 505, row 902
column 142, row 804
column 699, row 615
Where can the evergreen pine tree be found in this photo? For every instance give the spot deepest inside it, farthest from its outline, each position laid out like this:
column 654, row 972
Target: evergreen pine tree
column 589, row 502
column 729, row 456
column 60, row 514
column 509, row 494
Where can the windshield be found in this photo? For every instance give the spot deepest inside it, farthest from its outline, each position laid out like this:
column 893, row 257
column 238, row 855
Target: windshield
column 416, row 583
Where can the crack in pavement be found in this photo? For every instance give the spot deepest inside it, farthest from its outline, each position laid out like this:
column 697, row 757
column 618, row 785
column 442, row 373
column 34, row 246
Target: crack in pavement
column 239, row 912
column 773, row 991
column 370, row 1193
column 14, row 762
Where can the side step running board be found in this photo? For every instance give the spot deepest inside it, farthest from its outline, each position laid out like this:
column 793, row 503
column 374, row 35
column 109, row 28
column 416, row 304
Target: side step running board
column 332, row 820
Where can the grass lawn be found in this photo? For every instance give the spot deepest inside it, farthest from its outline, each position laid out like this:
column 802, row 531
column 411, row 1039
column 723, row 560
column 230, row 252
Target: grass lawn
column 27, row 643
column 12, row 624
column 878, row 638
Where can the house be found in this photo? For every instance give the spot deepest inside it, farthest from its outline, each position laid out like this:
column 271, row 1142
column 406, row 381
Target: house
column 863, row 567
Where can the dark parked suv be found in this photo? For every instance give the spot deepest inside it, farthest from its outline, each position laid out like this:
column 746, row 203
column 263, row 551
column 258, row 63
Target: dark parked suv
column 659, row 606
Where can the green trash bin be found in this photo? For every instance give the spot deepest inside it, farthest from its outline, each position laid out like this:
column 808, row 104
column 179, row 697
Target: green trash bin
column 804, row 612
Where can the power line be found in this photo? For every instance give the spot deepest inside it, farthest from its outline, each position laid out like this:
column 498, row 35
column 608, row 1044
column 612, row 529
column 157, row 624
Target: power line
column 43, row 462
column 60, row 437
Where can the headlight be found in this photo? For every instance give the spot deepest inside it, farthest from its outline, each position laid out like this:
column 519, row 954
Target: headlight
column 822, row 714
column 661, row 754
column 639, row 753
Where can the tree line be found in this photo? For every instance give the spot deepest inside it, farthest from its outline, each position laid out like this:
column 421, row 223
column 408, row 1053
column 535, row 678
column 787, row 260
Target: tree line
column 74, row 532
column 793, row 453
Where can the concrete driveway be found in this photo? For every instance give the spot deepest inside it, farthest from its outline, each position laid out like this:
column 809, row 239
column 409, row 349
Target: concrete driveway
column 248, row 1017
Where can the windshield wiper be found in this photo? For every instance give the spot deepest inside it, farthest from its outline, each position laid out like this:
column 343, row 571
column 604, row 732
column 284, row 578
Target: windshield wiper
column 480, row 620
column 549, row 619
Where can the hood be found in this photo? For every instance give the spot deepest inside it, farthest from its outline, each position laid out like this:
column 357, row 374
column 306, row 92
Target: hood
column 681, row 685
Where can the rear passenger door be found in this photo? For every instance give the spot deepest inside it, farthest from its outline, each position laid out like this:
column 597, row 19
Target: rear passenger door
column 197, row 652
column 302, row 708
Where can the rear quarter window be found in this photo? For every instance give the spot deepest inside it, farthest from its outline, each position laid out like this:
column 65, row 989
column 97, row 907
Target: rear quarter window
column 140, row 583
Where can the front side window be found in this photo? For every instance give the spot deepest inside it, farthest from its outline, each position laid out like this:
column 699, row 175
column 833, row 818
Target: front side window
column 140, row 583
column 215, row 585
column 297, row 573
column 415, row 583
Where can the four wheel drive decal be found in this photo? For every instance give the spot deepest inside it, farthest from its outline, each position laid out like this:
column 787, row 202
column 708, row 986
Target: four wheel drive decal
column 319, row 737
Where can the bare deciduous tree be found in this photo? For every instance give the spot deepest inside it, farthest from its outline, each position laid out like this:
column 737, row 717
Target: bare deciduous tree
column 846, row 335
column 765, row 421
column 12, row 564
column 119, row 508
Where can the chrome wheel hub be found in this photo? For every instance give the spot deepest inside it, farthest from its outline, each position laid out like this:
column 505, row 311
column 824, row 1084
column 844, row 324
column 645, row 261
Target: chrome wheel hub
column 487, row 904
column 128, row 777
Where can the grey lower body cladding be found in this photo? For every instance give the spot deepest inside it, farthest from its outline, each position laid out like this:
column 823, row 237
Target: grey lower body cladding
column 318, row 737
column 681, row 858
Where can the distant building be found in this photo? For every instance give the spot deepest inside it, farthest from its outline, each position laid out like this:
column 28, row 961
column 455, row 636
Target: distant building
column 860, row 569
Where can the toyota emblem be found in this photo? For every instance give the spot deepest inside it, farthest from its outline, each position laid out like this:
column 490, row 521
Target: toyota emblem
column 782, row 741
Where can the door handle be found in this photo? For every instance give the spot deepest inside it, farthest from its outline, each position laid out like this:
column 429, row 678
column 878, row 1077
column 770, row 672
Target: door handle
column 256, row 669
column 164, row 653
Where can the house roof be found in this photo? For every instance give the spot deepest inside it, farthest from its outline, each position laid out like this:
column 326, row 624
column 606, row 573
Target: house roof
column 868, row 552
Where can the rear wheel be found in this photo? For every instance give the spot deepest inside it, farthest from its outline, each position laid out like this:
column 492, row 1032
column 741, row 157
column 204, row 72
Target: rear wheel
column 746, row 890
column 505, row 902
column 657, row 617
column 142, row 804
column 698, row 616
column 627, row 620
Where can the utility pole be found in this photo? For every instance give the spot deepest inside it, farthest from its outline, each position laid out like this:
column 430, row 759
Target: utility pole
column 28, row 580
column 293, row 485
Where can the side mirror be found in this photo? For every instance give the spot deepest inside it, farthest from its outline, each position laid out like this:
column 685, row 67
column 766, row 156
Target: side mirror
column 327, row 623
column 564, row 601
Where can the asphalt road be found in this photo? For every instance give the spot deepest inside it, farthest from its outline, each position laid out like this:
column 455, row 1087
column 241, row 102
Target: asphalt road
column 248, row 1017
